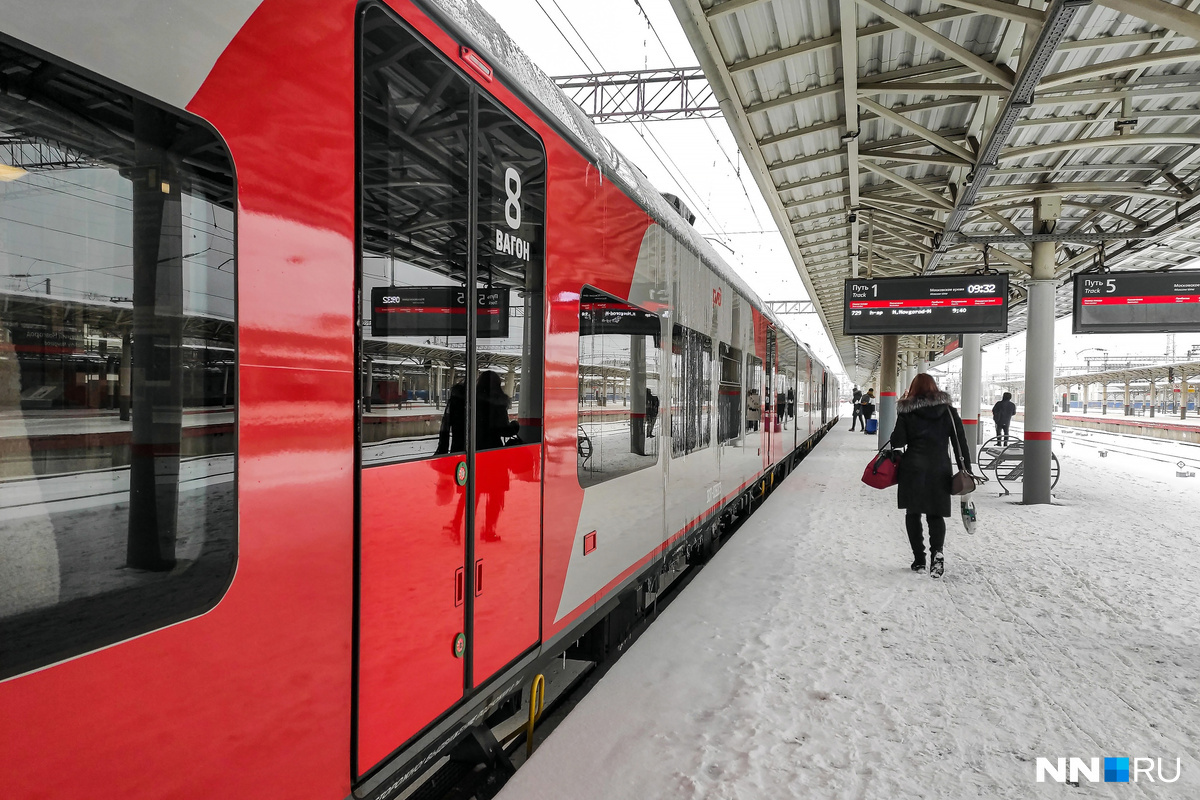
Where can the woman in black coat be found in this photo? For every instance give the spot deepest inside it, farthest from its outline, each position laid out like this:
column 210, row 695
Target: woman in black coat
column 925, row 421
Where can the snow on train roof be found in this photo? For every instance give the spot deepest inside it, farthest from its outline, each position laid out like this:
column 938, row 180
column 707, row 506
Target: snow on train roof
column 502, row 53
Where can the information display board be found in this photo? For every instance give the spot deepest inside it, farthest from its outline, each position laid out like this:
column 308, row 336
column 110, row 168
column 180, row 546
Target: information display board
column 437, row 311
column 1137, row 302
column 936, row 304
column 605, row 315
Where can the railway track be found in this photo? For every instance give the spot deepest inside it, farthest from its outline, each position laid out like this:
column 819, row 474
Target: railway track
column 1167, row 452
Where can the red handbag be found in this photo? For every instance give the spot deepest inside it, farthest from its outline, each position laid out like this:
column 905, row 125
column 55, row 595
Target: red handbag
column 883, row 471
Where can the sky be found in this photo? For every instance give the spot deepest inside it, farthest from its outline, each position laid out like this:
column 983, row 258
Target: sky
column 699, row 161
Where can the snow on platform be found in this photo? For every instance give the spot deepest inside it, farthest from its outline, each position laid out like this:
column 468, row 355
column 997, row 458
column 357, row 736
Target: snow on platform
column 807, row 661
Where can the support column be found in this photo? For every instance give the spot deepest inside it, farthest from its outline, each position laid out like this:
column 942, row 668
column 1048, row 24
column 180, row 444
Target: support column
column 156, row 385
column 972, row 369
column 1183, row 397
column 1084, row 394
column 888, row 365
column 126, row 374
column 1039, row 358
column 1128, row 407
column 1153, row 399
column 1104, row 398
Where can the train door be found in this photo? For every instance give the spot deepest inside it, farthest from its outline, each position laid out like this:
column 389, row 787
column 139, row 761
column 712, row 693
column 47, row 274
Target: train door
column 451, row 307
column 769, row 412
column 824, row 396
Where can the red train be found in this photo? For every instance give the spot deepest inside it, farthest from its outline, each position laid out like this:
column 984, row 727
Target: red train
column 347, row 376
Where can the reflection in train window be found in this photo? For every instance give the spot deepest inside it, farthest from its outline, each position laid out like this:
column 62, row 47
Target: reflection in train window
column 785, row 388
column 729, row 397
column 754, row 401
column 691, row 391
column 511, row 196
column 117, row 366
column 415, row 196
column 619, row 395
column 417, row 123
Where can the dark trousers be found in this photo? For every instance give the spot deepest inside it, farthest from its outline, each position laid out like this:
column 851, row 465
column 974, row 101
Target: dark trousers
column 857, row 416
column 1002, row 433
column 937, row 534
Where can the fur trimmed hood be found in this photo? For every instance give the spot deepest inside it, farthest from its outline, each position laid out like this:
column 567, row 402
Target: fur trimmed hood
column 917, row 403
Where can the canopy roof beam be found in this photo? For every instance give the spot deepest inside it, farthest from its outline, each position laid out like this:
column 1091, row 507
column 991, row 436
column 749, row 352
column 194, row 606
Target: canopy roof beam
column 1033, row 65
column 849, row 22
column 964, row 155
column 1168, row 15
column 951, row 48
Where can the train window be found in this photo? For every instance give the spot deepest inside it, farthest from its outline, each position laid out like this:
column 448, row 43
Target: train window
column 619, row 394
column 754, row 380
column 772, row 366
column 729, row 395
column 117, row 365
column 691, row 391
column 785, row 390
column 511, row 195
column 419, row 118
column 415, row 120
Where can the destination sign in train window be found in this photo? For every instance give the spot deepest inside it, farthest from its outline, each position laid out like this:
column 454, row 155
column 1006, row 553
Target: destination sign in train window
column 437, row 311
column 1137, row 302
column 936, row 304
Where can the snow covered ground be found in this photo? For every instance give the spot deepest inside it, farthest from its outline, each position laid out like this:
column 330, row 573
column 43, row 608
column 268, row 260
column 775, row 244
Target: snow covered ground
column 807, row 661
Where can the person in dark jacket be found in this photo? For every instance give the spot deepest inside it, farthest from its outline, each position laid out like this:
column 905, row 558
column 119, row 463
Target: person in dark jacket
column 856, row 407
column 492, row 425
column 1002, row 414
column 452, row 438
column 651, row 412
column 868, row 408
column 925, row 421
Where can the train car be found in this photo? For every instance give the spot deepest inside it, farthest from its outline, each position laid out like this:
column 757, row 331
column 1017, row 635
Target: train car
column 348, row 376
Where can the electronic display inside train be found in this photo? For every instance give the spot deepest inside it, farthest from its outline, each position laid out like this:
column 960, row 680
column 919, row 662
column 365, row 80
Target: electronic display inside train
column 1137, row 302
column 437, row 311
column 611, row 316
column 938, row 304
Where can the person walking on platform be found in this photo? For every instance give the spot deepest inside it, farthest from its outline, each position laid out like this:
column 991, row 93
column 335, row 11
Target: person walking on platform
column 856, row 407
column 868, row 408
column 651, row 412
column 1002, row 414
column 925, row 421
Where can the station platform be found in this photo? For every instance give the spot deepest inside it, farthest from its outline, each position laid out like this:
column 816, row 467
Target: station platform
column 807, row 660
column 1161, row 426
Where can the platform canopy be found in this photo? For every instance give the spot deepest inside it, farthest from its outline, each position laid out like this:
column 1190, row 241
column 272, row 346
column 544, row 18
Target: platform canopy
column 911, row 137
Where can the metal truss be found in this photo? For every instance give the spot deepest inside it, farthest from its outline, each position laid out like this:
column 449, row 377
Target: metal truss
column 937, row 166
column 40, row 155
column 791, row 306
column 677, row 93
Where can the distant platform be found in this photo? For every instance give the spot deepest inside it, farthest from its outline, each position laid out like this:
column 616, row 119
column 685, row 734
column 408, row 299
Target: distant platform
column 1159, row 427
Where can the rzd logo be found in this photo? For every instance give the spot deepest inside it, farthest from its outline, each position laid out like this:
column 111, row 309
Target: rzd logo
column 1116, row 770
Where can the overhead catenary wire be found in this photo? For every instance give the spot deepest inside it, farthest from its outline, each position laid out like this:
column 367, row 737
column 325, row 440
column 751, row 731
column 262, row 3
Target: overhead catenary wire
column 677, row 174
column 707, row 124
